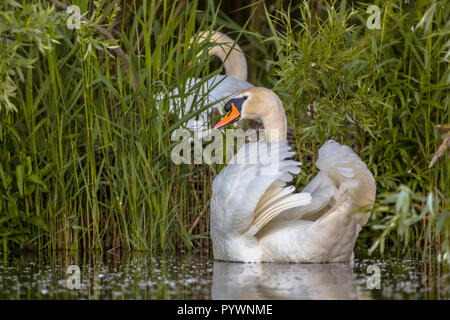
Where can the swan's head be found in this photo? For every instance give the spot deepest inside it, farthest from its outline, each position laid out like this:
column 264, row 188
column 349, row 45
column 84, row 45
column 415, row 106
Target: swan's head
column 255, row 103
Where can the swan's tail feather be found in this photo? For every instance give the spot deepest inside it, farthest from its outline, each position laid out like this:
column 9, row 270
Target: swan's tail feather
column 348, row 173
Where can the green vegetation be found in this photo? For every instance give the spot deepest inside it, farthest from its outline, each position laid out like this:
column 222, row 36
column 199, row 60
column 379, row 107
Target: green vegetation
column 85, row 161
column 382, row 92
column 85, row 152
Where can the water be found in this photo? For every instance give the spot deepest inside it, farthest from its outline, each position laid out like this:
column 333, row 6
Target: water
column 133, row 275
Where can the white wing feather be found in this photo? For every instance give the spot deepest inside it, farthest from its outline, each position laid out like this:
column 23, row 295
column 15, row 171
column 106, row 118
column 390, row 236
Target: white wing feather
column 341, row 170
column 247, row 196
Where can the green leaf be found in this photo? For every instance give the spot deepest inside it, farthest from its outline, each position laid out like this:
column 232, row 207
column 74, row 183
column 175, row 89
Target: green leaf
column 427, row 18
column 37, row 180
column 19, row 178
column 38, row 222
column 444, row 217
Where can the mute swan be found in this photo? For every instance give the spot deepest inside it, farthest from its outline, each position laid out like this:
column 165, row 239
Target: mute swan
column 219, row 86
column 255, row 217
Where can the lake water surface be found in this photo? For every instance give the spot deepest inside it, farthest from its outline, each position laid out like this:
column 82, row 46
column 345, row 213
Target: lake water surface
column 135, row 275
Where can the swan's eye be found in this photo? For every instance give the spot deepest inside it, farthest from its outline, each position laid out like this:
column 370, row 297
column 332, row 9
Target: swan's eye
column 245, row 97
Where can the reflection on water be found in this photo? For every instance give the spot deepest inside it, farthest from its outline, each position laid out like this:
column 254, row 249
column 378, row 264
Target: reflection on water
column 285, row 281
column 125, row 275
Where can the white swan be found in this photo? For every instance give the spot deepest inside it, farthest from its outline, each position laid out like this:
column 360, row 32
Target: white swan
column 256, row 217
column 218, row 87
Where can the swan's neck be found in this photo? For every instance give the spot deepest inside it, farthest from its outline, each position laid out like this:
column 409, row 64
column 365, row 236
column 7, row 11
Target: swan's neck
column 263, row 104
column 234, row 63
column 276, row 126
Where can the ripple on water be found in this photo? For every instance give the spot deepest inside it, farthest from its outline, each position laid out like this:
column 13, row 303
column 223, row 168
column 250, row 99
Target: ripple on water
column 127, row 275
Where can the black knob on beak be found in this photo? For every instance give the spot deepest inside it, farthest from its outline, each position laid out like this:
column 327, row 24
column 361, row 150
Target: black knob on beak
column 237, row 102
column 228, row 106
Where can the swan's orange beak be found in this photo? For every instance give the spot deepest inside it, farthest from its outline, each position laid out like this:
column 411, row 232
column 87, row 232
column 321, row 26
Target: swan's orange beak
column 232, row 116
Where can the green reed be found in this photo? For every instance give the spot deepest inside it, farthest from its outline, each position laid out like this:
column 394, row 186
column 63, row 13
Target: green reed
column 85, row 161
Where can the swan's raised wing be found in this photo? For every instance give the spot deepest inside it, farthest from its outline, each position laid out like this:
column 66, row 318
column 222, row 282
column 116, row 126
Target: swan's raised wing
column 252, row 191
column 341, row 171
